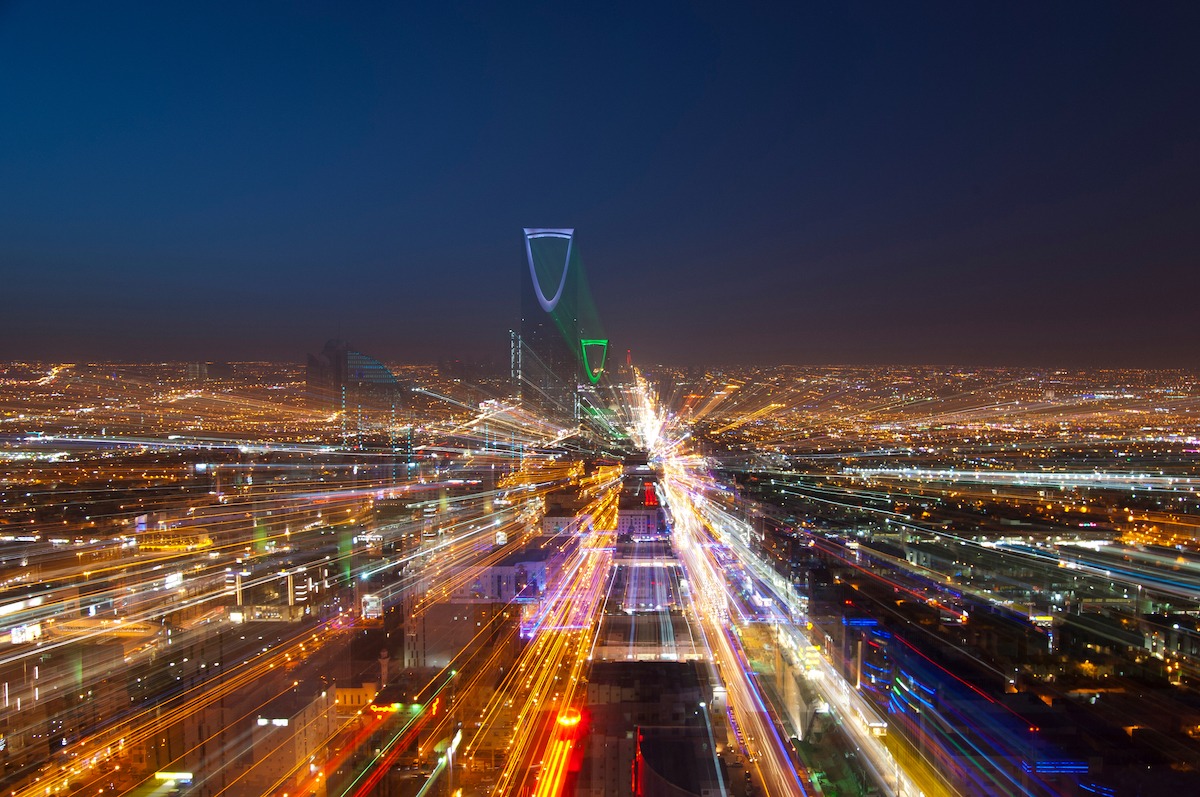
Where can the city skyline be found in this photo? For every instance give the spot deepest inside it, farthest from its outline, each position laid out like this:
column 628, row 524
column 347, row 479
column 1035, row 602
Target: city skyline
column 1009, row 186
column 684, row 399
column 261, row 580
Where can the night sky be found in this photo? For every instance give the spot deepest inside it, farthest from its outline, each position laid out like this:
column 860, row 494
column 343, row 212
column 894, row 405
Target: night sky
column 971, row 183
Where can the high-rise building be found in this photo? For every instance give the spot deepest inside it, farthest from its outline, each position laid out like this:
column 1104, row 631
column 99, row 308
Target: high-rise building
column 546, row 368
column 338, row 373
column 325, row 374
column 560, row 346
column 362, row 389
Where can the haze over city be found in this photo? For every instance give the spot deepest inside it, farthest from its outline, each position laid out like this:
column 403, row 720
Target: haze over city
column 930, row 183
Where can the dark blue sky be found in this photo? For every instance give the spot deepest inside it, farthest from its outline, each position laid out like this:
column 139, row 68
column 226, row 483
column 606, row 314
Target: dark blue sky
column 992, row 183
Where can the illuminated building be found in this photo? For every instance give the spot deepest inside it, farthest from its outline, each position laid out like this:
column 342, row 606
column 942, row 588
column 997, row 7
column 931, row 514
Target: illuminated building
column 338, row 376
column 202, row 372
column 566, row 513
column 518, row 581
column 545, row 367
column 363, row 390
column 560, row 347
column 640, row 513
column 286, row 734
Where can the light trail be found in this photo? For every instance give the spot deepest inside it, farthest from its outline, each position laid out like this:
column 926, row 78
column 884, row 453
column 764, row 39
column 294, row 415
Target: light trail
column 761, row 742
column 1106, row 480
column 758, row 737
column 998, row 515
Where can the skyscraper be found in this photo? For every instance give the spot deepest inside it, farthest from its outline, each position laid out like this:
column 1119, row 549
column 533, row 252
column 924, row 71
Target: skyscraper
column 362, row 389
column 546, row 366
